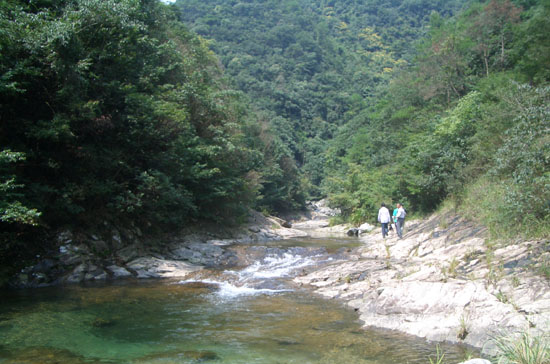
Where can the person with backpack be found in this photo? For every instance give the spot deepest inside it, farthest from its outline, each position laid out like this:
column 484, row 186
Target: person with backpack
column 400, row 217
column 384, row 219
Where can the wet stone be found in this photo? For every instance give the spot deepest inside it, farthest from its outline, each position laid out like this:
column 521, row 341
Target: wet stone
column 44, row 266
column 201, row 355
column 101, row 322
column 287, row 343
column 118, row 272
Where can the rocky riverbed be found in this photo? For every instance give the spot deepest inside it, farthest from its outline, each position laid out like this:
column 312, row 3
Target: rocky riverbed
column 126, row 254
column 444, row 281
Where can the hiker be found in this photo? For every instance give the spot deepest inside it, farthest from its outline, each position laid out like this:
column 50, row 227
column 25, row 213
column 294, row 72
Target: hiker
column 400, row 220
column 394, row 217
column 384, row 219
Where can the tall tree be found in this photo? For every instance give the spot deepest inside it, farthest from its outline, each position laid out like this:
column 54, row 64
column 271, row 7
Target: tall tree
column 492, row 30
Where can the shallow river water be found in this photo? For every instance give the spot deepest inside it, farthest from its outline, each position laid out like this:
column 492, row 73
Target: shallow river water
column 251, row 315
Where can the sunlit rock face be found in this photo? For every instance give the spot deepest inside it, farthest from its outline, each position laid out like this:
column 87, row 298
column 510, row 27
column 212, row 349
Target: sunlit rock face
column 443, row 282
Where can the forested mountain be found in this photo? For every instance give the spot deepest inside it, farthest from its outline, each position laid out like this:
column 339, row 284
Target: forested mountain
column 308, row 66
column 468, row 121
column 416, row 101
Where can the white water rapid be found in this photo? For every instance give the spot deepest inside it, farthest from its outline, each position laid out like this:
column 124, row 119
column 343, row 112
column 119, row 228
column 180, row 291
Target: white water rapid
column 264, row 276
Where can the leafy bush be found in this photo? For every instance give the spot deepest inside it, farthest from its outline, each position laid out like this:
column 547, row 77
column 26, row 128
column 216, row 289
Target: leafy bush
column 131, row 118
column 12, row 209
column 360, row 195
column 524, row 158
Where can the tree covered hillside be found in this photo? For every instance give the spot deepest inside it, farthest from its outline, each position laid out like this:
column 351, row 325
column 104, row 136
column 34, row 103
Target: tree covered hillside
column 113, row 111
column 467, row 122
column 417, row 101
column 308, row 67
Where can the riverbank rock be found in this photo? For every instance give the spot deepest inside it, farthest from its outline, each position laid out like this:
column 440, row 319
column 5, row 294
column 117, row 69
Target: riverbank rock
column 365, row 228
column 118, row 272
column 444, row 281
column 321, row 209
column 85, row 272
column 312, row 224
column 318, row 216
column 150, row 267
column 329, row 231
column 110, row 252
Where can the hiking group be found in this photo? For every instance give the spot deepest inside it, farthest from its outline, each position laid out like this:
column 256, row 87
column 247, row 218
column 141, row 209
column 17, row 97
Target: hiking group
column 397, row 218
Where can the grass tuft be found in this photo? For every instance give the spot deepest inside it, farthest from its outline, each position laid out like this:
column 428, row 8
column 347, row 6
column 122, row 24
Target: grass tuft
column 463, row 330
column 523, row 349
column 439, row 356
column 544, row 269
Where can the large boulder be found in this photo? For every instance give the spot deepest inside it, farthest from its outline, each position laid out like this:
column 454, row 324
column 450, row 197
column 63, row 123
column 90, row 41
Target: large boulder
column 118, row 272
column 321, row 209
column 207, row 254
column 366, row 228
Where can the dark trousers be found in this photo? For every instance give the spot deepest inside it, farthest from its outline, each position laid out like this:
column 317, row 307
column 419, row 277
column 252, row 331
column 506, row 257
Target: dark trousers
column 384, row 229
column 399, row 226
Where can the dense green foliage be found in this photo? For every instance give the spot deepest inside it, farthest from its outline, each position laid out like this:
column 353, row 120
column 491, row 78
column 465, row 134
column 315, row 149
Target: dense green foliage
column 417, row 101
column 309, row 67
column 113, row 111
column 460, row 124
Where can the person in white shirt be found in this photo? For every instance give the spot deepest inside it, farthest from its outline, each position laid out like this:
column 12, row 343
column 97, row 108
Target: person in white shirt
column 384, row 219
column 401, row 213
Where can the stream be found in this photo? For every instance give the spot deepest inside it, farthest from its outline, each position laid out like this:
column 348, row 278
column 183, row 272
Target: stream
column 253, row 314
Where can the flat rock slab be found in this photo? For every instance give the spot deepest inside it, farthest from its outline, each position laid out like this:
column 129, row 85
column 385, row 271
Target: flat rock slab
column 118, row 272
column 150, row 267
column 443, row 282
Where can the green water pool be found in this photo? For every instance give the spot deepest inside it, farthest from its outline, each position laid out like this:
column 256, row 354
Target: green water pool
column 170, row 322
